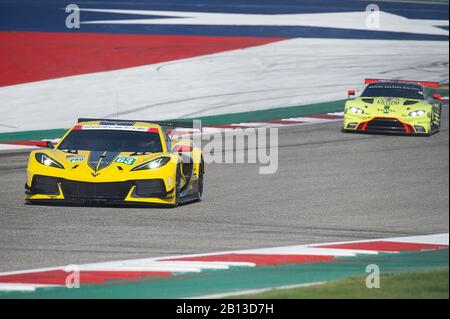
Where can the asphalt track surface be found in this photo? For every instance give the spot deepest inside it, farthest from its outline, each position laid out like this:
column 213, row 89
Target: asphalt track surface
column 330, row 186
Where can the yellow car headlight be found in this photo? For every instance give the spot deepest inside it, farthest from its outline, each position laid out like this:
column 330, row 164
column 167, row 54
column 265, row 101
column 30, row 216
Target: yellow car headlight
column 355, row 110
column 46, row 160
column 417, row 113
column 156, row 163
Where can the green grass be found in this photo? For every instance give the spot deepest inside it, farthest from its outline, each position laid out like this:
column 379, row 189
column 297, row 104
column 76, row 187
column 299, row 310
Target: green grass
column 406, row 285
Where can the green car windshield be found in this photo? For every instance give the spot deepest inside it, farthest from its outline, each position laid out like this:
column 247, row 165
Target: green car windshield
column 404, row 91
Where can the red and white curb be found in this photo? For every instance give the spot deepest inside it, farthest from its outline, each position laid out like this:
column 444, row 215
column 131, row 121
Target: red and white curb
column 24, row 146
column 311, row 119
column 139, row 269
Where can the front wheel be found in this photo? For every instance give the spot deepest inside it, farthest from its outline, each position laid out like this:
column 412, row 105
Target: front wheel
column 435, row 124
column 177, row 188
column 440, row 118
column 201, row 178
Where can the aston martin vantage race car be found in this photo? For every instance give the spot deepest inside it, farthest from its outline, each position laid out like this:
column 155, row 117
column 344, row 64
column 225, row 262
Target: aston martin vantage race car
column 394, row 106
column 111, row 162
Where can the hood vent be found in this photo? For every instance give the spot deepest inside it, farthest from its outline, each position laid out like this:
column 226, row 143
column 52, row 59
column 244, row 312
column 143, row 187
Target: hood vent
column 370, row 101
column 410, row 102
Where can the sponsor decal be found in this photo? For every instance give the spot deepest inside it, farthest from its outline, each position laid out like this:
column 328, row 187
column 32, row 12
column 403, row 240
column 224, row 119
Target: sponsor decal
column 389, row 101
column 75, row 159
column 125, row 160
column 115, row 128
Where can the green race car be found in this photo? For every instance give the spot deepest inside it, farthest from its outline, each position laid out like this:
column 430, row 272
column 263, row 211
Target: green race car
column 394, row 106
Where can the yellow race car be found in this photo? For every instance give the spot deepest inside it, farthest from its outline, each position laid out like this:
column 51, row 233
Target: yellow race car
column 110, row 162
column 394, row 106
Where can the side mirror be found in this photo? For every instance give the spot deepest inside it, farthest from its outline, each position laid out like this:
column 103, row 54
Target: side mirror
column 437, row 97
column 182, row 149
column 351, row 94
column 45, row 144
column 50, row 145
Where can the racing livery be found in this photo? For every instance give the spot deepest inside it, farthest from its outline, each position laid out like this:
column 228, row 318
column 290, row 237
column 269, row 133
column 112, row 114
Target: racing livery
column 394, row 106
column 116, row 162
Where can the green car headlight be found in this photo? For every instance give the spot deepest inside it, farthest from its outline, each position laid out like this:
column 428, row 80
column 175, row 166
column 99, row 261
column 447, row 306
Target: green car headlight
column 156, row 163
column 355, row 110
column 417, row 113
column 47, row 160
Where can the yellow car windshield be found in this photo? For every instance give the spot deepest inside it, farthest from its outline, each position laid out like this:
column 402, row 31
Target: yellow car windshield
column 112, row 141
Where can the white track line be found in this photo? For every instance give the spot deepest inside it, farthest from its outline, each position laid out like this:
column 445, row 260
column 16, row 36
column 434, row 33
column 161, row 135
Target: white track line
column 23, row 287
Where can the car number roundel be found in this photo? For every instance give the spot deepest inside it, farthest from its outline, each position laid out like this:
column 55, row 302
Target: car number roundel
column 125, row 160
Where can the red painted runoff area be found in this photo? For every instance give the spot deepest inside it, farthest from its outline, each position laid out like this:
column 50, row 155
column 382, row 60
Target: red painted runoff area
column 384, row 246
column 35, row 56
column 58, row 277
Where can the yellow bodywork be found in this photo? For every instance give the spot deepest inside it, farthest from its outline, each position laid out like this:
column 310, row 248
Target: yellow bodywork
column 360, row 111
column 76, row 169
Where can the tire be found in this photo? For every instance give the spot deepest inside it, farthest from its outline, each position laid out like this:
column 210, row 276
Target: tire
column 201, row 180
column 177, row 188
column 440, row 119
column 438, row 128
